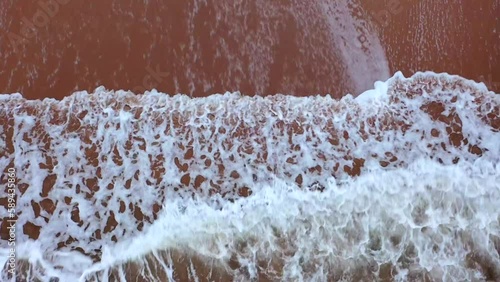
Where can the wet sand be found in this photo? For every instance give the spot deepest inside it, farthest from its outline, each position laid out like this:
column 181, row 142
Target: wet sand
column 256, row 47
column 457, row 37
column 205, row 170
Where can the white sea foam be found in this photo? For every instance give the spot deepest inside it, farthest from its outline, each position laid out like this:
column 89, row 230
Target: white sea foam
column 356, row 42
column 437, row 213
column 425, row 218
column 424, row 203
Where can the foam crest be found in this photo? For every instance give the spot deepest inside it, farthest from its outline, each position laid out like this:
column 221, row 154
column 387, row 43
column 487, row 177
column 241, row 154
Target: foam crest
column 427, row 221
column 417, row 220
column 97, row 170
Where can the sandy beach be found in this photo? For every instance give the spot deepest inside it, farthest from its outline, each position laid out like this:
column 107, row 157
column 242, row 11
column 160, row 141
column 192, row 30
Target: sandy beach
column 52, row 48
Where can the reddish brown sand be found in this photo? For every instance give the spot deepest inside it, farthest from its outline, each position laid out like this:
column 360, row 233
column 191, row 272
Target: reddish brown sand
column 200, row 50
column 132, row 45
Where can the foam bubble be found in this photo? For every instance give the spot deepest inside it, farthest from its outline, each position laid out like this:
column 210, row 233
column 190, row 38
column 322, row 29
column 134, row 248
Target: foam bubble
column 420, row 220
column 98, row 171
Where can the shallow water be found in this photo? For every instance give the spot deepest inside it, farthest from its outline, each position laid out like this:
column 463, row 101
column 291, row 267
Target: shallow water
column 200, row 48
column 399, row 183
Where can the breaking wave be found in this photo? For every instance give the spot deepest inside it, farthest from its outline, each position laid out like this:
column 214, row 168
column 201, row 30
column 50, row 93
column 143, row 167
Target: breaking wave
column 400, row 183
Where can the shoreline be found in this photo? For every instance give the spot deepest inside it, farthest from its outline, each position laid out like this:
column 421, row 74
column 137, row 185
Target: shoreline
column 199, row 50
column 109, row 164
